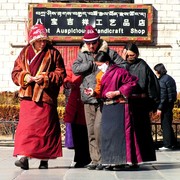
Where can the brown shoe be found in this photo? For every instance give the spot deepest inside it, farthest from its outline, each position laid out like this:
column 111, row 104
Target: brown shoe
column 22, row 163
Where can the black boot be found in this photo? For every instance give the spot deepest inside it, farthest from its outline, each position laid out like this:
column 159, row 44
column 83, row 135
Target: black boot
column 43, row 164
column 23, row 163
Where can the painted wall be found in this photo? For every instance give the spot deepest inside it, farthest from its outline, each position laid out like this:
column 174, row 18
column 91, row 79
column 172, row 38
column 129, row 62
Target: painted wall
column 164, row 49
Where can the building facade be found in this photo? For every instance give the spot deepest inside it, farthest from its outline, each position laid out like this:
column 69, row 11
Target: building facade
column 164, row 48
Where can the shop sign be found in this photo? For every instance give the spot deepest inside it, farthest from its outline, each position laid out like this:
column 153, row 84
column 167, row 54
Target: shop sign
column 115, row 22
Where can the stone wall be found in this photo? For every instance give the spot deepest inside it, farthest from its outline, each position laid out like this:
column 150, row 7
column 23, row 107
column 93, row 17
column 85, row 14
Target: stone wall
column 13, row 15
column 166, row 37
column 164, row 48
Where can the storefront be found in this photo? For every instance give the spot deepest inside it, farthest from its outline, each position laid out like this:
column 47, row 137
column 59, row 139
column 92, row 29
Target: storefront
column 116, row 23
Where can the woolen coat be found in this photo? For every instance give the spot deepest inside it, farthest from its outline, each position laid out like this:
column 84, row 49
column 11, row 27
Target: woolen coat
column 84, row 65
column 53, row 70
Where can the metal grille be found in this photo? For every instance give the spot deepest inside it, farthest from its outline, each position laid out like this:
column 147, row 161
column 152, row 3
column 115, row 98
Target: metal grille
column 8, row 128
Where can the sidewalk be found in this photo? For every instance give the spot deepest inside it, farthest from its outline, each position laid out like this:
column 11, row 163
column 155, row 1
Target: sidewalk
column 167, row 167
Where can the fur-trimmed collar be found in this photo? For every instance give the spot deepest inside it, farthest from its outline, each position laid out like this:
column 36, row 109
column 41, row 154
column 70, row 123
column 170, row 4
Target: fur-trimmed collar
column 103, row 47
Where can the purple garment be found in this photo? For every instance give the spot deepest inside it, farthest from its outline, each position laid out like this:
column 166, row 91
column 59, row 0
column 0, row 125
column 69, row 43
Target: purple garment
column 68, row 136
column 133, row 153
column 117, row 78
column 119, row 123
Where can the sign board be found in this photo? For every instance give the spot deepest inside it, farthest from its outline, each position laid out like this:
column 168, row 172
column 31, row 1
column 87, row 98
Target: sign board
column 115, row 22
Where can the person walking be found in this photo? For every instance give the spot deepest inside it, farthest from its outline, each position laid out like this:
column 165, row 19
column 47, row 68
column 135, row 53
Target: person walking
column 143, row 100
column 85, row 67
column 68, row 86
column 166, row 105
column 114, row 86
column 68, row 139
column 39, row 71
column 74, row 115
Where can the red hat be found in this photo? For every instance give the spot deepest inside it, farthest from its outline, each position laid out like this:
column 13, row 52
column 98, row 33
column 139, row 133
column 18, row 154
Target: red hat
column 38, row 31
column 90, row 34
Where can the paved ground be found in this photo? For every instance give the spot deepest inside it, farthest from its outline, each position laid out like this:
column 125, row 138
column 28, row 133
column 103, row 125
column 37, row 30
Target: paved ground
column 167, row 167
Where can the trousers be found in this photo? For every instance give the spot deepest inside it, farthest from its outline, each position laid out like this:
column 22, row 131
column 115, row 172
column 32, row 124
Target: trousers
column 93, row 120
column 169, row 139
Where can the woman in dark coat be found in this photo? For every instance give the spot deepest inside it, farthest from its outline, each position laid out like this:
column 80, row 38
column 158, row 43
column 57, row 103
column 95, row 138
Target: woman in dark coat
column 165, row 107
column 144, row 100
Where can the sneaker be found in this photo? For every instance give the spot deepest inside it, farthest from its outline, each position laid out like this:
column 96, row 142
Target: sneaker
column 99, row 167
column 91, row 166
column 22, row 163
column 165, row 149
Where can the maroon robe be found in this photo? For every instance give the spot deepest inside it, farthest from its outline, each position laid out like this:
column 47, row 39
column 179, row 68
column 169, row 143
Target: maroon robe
column 38, row 134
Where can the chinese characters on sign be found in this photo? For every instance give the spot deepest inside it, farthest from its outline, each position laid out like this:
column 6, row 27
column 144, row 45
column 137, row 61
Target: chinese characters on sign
column 115, row 24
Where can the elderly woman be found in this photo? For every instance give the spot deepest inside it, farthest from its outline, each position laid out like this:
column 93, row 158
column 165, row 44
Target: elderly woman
column 39, row 71
column 144, row 100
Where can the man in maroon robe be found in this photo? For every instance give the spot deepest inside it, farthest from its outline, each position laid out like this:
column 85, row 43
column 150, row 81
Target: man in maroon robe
column 39, row 71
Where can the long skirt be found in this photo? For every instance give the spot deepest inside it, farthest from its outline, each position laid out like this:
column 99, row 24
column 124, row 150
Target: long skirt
column 81, row 144
column 142, row 128
column 118, row 140
column 68, row 137
column 38, row 133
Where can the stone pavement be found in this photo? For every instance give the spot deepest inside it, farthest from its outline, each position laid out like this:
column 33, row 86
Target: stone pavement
column 167, row 167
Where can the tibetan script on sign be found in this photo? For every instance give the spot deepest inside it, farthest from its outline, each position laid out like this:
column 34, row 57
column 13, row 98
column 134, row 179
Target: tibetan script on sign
column 65, row 22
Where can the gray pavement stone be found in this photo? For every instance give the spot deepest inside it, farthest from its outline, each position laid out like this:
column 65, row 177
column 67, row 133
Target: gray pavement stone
column 167, row 167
